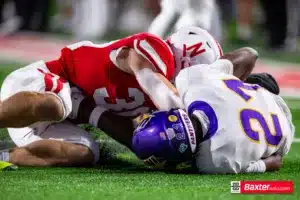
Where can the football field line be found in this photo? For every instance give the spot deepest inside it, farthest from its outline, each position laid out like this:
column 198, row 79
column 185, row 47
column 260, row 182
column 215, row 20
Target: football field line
column 296, row 140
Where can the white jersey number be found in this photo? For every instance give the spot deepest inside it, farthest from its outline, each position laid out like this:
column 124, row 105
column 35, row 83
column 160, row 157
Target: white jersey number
column 122, row 106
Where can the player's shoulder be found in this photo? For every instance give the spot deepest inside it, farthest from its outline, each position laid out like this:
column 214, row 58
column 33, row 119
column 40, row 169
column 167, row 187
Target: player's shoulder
column 147, row 39
column 157, row 51
column 145, row 35
column 199, row 72
column 77, row 45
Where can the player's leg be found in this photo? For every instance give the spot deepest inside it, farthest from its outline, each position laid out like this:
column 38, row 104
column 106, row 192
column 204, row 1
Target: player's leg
column 204, row 11
column 163, row 20
column 25, row 108
column 90, row 18
column 62, row 144
column 47, row 153
column 216, row 25
column 32, row 94
column 293, row 20
column 245, row 8
column 186, row 19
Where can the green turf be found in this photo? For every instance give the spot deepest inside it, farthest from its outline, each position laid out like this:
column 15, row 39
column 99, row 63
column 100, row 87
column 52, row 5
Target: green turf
column 124, row 177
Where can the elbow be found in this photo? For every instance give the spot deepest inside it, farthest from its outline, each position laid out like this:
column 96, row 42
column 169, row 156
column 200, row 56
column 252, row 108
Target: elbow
column 245, row 62
column 251, row 54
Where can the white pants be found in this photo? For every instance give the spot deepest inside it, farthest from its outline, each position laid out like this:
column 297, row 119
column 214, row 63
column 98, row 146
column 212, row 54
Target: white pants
column 202, row 13
column 37, row 78
column 90, row 18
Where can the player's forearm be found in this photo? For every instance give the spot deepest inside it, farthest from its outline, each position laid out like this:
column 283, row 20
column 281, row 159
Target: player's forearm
column 117, row 127
column 160, row 92
column 243, row 61
column 273, row 162
column 162, row 22
column 205, row 13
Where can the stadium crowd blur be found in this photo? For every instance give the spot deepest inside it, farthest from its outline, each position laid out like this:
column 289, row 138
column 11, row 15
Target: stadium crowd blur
column 277, row 20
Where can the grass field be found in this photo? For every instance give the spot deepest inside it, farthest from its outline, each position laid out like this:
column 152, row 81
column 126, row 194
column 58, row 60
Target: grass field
column 126, row 178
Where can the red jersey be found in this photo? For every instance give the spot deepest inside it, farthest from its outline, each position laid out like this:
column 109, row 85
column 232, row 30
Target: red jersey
column 93, row 68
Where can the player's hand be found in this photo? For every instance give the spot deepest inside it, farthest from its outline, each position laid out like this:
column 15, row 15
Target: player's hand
column 273, row 162
column 123, row 59
column 265, row 80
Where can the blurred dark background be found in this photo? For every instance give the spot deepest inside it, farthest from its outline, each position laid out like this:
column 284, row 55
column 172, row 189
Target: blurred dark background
column 271, row 25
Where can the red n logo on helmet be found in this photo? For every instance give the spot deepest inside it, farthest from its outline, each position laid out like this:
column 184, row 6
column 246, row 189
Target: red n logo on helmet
column 195, row 49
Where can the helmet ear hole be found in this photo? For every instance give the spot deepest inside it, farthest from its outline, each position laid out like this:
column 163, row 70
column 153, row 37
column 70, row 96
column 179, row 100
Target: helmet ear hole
column 192, row 33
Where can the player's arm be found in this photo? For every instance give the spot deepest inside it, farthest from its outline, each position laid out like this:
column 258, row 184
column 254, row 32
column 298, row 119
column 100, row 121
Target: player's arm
column 161, row 91
column 243, row 61
column 271, row 163
column 85, row 111
column 164, row 19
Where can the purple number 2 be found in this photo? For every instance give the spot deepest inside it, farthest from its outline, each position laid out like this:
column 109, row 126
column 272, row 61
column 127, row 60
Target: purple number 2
column 246, row 115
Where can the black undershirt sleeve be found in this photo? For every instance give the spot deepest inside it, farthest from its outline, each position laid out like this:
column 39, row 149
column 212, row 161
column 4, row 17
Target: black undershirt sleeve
column 117, row 127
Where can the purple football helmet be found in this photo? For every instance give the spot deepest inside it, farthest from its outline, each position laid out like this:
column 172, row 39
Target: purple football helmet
column 165, row 137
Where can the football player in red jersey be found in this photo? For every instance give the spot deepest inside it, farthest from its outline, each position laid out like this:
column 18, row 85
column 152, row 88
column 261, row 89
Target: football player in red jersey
column 129, row 77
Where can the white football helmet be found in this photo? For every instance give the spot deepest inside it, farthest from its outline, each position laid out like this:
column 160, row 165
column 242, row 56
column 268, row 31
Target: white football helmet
column 193, row 45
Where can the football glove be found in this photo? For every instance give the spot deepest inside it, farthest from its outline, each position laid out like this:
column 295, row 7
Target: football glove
column 265, row 80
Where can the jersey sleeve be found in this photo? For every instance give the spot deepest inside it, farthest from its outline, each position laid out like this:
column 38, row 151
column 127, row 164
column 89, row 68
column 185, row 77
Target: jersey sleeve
column 62, row 65
column 222, row 65
column 156, row 51
column 57, row 66
column 77, row 58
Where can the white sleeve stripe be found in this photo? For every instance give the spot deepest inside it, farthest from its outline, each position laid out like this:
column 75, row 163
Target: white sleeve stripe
column 79, row 44
column 89, row 44
column 145, row 46
column 54, row 81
